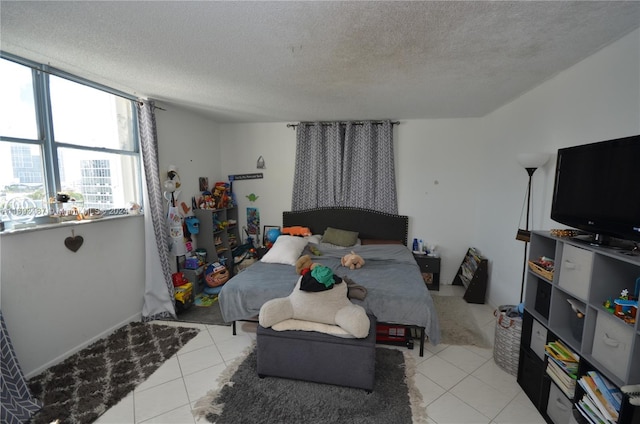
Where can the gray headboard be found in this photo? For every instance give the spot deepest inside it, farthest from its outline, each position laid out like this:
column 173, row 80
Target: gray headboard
column 368, row 223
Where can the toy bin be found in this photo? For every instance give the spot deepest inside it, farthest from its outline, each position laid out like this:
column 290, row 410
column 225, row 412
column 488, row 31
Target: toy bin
column 506, row 347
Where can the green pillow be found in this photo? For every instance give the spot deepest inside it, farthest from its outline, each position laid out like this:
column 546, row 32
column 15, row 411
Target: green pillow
column 340, row 237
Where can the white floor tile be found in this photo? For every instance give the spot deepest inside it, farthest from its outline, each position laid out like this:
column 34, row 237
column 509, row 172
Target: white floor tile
column 482, row 397
column 200, row 383
column 121, row 413
column 160, row 399
column 202, row 339
column 430, row 391
column 200, row 359
column 459, row 384
column 448, row 409
column 180, row 415
column 168, row 371
column 519, row 411
column 462, row 358
column 232, row 348
column 491, row 374
column 486, row 353
column 220, row 333
column 442, row 372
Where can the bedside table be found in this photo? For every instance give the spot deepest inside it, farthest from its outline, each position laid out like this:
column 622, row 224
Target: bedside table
column 430, row 269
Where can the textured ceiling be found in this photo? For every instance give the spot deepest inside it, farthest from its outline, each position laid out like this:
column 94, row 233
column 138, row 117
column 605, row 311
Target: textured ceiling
column 290, row 61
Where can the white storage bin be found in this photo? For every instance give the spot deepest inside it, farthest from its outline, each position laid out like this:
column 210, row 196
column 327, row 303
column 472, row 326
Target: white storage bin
column 575, row 271
column 612, row 344
column 538, row 338
column 558, row 406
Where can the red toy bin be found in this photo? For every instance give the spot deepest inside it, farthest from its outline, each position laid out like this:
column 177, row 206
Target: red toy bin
column 391, row 333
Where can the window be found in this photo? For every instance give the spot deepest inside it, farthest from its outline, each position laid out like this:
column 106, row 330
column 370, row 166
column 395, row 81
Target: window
column 61, row 134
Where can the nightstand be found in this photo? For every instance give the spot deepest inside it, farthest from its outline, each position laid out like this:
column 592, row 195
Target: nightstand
column 430, row 269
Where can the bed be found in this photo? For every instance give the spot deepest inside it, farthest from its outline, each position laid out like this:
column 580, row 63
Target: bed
column 396, row 293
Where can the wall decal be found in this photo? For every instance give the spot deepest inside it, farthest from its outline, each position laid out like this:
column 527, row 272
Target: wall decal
column 74, row 242
column 238, row 177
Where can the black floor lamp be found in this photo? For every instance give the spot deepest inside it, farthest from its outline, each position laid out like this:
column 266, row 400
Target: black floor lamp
column 530, row 162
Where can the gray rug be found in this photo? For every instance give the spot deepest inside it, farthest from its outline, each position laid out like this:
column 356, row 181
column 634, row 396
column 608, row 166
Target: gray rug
column 203, row 314
column 85, row 385
column 243, row 397
column 457, row 324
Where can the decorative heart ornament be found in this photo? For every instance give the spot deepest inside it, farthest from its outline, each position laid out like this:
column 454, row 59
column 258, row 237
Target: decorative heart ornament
column 73, row 243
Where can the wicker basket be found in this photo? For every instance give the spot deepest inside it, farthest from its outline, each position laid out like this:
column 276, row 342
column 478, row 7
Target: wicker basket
column 506, row 347
column 541, row 271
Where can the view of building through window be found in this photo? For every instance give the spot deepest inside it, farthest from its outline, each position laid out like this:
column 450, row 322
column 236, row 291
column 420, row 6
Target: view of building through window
column 86, row 150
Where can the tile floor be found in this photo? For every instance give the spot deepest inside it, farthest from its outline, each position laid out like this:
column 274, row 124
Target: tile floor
column 459, row 384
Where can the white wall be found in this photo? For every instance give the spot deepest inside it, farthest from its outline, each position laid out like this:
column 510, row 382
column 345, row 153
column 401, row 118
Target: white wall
column 597, row 99
column 458, row 180
column 190, row 142
column 241, row 145
column 55, row 301
column 436, row 169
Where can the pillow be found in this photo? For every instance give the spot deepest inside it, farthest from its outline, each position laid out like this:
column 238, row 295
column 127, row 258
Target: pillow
column 339, row 237
column 379, row 241
column 286, row 250
column 315, row 239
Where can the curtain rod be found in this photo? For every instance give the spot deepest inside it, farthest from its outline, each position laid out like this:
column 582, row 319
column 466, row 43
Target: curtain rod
column 343, row 123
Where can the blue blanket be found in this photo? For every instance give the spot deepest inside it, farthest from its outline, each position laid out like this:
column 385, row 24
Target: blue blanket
column 396, row 292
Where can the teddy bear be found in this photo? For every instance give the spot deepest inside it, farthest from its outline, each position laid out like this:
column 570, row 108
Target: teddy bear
column 352, row 260
column 304, row 262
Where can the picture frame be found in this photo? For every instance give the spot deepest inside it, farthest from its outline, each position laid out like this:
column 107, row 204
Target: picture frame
column 253, row 221
column 266, row 230
column 203, row 184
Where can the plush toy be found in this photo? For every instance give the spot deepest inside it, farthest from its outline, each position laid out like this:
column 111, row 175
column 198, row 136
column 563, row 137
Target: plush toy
column 216, row 274
column 296, row 230
column 304, row 262
column 352, row 260
column 316, row 311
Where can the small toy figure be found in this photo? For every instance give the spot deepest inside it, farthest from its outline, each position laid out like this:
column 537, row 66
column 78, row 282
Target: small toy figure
column 216, row 274
column 178, row 279
column 626, row 307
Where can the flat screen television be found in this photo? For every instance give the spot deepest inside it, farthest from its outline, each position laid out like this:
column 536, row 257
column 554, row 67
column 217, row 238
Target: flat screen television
column 597, row 189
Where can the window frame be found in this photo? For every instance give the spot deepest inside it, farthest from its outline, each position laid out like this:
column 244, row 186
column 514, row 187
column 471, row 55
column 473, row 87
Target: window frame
column 44, row 121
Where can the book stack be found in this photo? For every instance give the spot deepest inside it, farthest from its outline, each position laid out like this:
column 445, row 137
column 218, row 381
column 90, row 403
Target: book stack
column 562, row 366
column 601, row 401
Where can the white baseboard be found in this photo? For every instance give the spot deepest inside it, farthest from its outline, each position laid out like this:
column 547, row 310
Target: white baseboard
column 60, row 358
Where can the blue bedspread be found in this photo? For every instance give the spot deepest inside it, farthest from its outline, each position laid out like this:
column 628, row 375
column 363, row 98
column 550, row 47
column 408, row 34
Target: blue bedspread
column 396, row 292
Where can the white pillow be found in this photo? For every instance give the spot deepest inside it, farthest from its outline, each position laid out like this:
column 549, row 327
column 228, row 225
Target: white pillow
column 286, row 250
column 315, row 239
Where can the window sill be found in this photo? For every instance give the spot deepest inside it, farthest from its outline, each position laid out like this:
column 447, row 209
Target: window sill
column 52, row 225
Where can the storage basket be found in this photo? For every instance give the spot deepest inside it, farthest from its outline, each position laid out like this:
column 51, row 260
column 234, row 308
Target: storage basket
column 506, row 346
column 541, row 271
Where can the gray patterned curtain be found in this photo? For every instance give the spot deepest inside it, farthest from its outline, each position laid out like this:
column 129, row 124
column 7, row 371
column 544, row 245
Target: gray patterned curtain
column 318, row 169
column 16, row 403
column 158, row 295
column 345, row 164
column 368, row 172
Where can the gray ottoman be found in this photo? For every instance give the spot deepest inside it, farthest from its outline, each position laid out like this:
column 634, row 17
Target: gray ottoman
column 318, row 357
